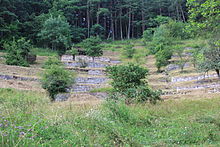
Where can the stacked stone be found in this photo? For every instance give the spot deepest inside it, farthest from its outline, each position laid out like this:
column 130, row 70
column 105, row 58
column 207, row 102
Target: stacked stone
column 91, row 71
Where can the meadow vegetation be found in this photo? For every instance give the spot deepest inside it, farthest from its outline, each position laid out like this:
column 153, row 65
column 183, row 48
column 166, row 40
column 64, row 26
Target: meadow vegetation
column 30, row 119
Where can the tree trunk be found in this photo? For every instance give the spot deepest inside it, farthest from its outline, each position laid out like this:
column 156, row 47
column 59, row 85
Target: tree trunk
column 177, row 12
column 112, row 23
column 88, row 19
column 129, row 24
column 132, row 28
column 142, row 17
column 121, row 28
column 116, row 27
column 97, row 20
column 184, row 18
column 218, row 72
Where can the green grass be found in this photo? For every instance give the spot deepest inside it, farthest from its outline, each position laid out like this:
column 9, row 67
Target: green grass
column 44, row 52
column 105, row 89
column 30, row 119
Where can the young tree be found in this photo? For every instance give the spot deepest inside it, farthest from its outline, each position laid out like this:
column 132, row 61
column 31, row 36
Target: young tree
column 97, row 30
column 18, row 52
column 128, row 81
column 129, row 50
column 182, row 59
column 56, row 80
column 211, row 57
column 162, row 58
column 92, row 46
column 56, row 34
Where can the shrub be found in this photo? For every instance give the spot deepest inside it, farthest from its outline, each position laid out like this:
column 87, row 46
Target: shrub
column 129, row 50
column 73, row 51
column 92, row 46
column 56, row 80
column 126, row 76
column 182, row 59
column 177, row 29
column 148, row 34
column 18, row 52
column 52, row 61
column 210, row 56
column 128, row 82
column 97, row 30
column 162, row 58
column 160, row 20
column 57, row 39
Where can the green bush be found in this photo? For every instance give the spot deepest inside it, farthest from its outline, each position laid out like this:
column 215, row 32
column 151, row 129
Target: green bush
column 98, row 30
column 18, row 52
column 177, row 29
column 129, row 50
column 166, row 34
column 52, row 61
column 160, row 20
column 148, row 34
column 73, row 51
column 128, row 82
column 56, row 80
column 57, row 39
column 162, row 58
column 92, row 46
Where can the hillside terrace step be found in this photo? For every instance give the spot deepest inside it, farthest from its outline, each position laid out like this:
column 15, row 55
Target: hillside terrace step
column 102, row 59
column 89, row 64
column 91, row 80
column 195, row 87
column 84, row 88
column 90, row 72
column 191, row 78
column 15, row 77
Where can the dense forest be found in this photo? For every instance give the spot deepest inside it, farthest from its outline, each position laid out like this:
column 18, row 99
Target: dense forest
column 111, row 19
column 63, row 22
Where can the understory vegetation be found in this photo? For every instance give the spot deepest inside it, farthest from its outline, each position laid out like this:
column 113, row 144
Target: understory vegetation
column 30, row 119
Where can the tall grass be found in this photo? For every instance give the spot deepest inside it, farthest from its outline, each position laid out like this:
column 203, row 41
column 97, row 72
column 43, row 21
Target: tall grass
column 30, row 119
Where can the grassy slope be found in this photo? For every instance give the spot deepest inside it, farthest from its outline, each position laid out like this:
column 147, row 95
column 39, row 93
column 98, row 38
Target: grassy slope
column 29, row 119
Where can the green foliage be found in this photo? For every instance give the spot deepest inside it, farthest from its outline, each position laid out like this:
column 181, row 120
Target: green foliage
column 56, row 34
column 209, row 60
column 182, row 59
column 44, row 52
column 18, row 52
column 148, row 34
column 176, row 29
column 97, row 30
column 73, row 51
column 78, row 34
column 92, row 46
column 126, row 76
column 129, row 50
column 160, row 20
column 56, row 80
column 204, row 16
column 166, row 34
column 161, row 38
column 128, row 82
column 52, row 61
column 162, row 58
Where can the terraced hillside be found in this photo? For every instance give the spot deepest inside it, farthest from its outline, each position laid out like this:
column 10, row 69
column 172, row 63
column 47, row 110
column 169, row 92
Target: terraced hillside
column 92, row 83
